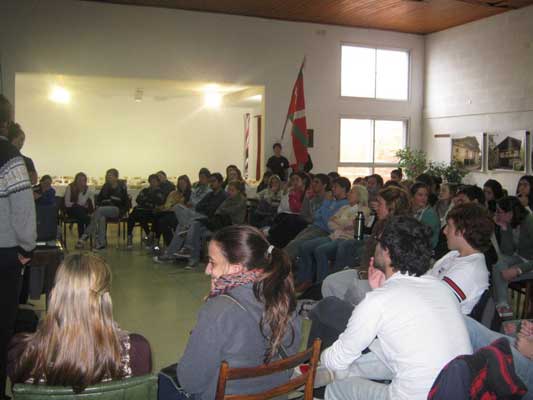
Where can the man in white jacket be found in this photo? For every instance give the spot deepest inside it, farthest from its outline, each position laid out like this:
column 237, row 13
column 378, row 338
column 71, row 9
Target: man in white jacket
column 412, row 324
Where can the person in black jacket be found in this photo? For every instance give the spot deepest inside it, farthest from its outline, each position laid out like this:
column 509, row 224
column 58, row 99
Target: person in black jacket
column 111, row 202
column 164, row 184
column 147, row 200
column 278, row 164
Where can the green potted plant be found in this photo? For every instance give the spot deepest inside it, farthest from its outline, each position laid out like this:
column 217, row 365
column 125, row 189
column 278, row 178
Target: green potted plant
column 412, row 162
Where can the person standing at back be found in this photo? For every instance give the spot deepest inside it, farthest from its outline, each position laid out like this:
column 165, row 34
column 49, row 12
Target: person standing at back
column 18, row 232
column 277, row 163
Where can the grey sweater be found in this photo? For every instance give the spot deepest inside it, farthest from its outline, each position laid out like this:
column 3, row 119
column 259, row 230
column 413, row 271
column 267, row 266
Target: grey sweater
column 227, row 332
column 17, row 208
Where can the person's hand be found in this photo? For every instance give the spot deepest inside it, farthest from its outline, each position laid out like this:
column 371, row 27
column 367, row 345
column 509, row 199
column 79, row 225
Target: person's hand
column 524, row 345
column 24, row 260
column 376, row 277
column 510, row 273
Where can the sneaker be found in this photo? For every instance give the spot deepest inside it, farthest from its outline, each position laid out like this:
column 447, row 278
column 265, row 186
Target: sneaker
column 129, row 243
column 162, row 259
column 99, row 247
column 505, row 311
column 183, row 253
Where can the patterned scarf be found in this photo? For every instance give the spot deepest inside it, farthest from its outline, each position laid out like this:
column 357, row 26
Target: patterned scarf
column 227, row 282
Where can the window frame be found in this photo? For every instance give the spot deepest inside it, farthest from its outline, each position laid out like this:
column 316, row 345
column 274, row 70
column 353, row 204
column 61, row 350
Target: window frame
column 352, row 44
column 371, row 165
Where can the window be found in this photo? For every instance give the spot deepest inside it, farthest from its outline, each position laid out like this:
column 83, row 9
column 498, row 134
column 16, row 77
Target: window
column 374, row 73
column 368, row 146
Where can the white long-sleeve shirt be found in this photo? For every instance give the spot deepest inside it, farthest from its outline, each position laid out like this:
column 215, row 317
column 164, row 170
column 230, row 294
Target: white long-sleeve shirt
column 82, row 198
column 467, row 277
column 420, row 329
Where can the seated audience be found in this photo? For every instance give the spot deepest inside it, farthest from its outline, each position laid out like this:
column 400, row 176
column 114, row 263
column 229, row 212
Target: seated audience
column 314, row 254
column 523, row 191
column 424, row 212
column 444, row 204
column 265, row 181
column 79, row 202
column 468, row 232
column 201, row 188
column 374, row 183
column 493, row 192
column 516, row 246
column 396, row 175
column 164, row 217
column 430, row 182
column 277, row 164
column 111, row 202
column 164, row 184
column 268, row 203
column 469, row 194
column 232, row 211
column 288, row 223
column 347, row 284
column 147, row 200
column 17, row 137
column 248, row 319
column 390, row 320
column 44, row 194
column 77, row 343
column 233, row 173
column 319, row 227
column 320, row 189
column 205, row 209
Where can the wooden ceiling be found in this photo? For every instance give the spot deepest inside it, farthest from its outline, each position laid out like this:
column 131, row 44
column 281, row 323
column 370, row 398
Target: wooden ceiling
column 412, row 16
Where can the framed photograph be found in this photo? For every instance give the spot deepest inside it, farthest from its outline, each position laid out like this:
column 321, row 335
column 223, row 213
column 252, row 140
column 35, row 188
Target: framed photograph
column 507, row 151
column 467, row 151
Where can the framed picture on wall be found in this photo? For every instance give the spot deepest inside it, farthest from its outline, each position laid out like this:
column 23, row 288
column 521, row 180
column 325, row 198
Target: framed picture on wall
column 467, row 151
column 507, row 151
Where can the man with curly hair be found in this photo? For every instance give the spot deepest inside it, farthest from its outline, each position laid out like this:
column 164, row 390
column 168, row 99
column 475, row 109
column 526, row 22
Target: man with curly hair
column 468, row 232
column 416, row 320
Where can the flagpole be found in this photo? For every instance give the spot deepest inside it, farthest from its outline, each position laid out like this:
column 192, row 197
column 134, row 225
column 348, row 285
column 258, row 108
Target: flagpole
column 287, row 118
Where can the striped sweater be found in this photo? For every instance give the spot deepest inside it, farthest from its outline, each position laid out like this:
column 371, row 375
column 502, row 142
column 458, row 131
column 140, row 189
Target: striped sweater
column 17, row 208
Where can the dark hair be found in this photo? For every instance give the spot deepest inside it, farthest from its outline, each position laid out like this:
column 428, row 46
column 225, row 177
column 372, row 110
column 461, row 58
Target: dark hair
column 187, row 193
column 528, row 178
column 5, row 110
column 397, row 199
column 44, row 177
column 408, row 243
column 496, row 188
column 378, row 178
column 343, row 183
column 474, row 223
column 205, row 172
column 246, row 245
column 333, row 175
column 112, row 171
column 323, row 178
column 162, row 173
column 511, row 203
column 239, row 186
column 14, row 131
column 417, row 186
column 425, row 178
column 392, row 183
column 398, row 172
column 452, row 187
column 218, row 176
column 276, row 145
column 151, row 177
column 473, row 192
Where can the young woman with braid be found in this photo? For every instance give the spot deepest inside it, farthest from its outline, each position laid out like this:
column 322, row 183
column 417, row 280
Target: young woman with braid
column 249, row 316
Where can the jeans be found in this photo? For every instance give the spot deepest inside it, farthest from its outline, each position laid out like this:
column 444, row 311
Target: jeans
column 500, row 284
column 347, row 286
column 186, row 218
column 165, row 223
column 143, row 216
column 98, row 223
column 323, row 254
column 349, row 253
column 194, row 239
column 481, row 336
column 311, row 232
column 82, row 217
column 10, row 284
column 306, row 260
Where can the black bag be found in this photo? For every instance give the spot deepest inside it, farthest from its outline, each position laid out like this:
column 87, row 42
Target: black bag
column 27, row 321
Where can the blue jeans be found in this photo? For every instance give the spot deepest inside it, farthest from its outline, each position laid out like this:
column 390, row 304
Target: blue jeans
column 481, row 336
column 306, row 261
column 349, row 253
column 500, row 284
column 194, row 239
column 323, row 254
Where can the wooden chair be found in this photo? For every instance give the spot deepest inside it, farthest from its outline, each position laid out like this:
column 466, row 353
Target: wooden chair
column 307, row 379
column 522, row 295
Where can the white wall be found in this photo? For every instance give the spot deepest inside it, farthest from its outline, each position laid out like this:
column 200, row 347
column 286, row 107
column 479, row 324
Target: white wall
column 95, row 133
column 86, row 38
column 479, row 77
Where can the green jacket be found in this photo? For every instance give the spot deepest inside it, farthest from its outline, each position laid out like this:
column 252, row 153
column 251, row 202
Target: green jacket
column 524, row 248
column 235, row 208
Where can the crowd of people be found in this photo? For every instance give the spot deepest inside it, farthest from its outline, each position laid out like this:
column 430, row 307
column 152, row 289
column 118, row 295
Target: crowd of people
column 397, row 308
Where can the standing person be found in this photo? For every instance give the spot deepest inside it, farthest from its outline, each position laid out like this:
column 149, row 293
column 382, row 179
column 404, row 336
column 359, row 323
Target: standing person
column 390, row 321
column 248, row 319
column 164, row 184
column 79, row 202
column 111, row 202
column 18, row 232
column 278, row 164
column 17, row 137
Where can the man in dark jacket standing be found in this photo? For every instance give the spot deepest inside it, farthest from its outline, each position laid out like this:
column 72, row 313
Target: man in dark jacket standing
column 18, row 233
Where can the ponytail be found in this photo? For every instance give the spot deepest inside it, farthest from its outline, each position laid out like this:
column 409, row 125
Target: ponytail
column 276, row 291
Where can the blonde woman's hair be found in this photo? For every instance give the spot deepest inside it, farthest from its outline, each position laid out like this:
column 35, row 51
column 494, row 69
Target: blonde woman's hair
column 362, row 195
column 77, row 343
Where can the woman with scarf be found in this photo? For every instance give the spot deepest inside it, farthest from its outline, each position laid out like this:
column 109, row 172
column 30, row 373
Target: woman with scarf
column 248, row 318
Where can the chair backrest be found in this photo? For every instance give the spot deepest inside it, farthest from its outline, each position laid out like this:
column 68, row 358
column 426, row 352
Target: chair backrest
column 137, row 388
column 306, row 379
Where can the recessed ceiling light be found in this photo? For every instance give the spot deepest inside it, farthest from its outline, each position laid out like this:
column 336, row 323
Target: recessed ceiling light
column 59, row 94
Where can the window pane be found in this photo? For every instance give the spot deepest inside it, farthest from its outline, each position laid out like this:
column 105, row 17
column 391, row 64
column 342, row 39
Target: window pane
column 392, row 74
column 356, row 140
column 389, row 139
column 358, row 71
column 354, row 172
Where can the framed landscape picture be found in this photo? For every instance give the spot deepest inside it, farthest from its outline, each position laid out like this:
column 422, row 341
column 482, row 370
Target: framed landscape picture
column 507, row 151
column 467, row 151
